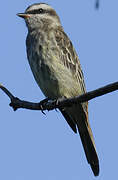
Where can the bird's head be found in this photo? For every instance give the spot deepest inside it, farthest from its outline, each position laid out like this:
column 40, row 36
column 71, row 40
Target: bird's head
column 40, row 15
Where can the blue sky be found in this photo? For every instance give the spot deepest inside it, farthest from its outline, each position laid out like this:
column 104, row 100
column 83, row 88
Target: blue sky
column 34, row 146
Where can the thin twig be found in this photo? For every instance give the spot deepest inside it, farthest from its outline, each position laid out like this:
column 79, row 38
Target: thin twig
column 50, row 105
column 6, row 91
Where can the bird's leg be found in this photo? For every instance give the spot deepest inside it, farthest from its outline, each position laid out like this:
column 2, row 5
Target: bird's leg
column 57, row 101
column 42, row 103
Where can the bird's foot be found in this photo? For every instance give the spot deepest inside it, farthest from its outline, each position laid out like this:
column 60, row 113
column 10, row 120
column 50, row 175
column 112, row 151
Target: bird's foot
column 57, row 101
column 42, row 104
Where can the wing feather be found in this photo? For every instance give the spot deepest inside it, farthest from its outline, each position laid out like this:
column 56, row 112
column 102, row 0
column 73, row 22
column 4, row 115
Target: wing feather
column 70, row 60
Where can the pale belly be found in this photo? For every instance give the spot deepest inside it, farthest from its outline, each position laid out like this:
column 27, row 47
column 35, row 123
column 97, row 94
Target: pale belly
column 54, row 79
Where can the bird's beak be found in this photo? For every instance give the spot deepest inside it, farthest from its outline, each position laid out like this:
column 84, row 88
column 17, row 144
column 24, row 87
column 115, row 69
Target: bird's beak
column 23, row 15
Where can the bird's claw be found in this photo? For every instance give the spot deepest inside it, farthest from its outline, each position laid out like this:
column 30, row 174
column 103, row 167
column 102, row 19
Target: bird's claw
column 42, row 103
column 57, row 101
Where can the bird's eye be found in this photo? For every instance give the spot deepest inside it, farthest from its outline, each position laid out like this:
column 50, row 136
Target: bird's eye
column 40, row 10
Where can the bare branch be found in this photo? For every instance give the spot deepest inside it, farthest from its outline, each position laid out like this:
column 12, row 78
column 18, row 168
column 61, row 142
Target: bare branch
column 60, row 103
column 6, row 91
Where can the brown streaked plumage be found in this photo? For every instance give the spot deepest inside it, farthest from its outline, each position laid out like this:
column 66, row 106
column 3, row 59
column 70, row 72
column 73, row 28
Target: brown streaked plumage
column 56, row 69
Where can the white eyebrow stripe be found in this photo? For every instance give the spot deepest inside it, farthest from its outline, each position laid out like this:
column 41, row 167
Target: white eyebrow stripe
column 38, row 6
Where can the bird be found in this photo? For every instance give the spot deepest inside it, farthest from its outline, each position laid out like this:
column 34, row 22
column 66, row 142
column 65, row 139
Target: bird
column 56, row 68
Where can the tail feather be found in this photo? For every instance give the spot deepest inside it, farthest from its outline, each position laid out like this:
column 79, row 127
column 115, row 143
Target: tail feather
column 69, row 120
column 76, row 116
column 90, row 151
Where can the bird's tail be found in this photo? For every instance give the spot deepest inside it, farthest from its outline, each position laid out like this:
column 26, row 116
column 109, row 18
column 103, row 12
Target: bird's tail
column 77, row 117
column 90, row 150
column 87, row 139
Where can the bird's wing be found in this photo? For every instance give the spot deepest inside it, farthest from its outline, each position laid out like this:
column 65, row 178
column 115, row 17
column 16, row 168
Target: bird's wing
column 69, row 57
column 71, row 61
column 77, row 115
column 69, row 120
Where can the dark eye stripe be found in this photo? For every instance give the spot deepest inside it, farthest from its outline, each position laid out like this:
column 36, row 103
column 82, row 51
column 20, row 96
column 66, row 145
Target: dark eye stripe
column 41, row 11
column 36, row 11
